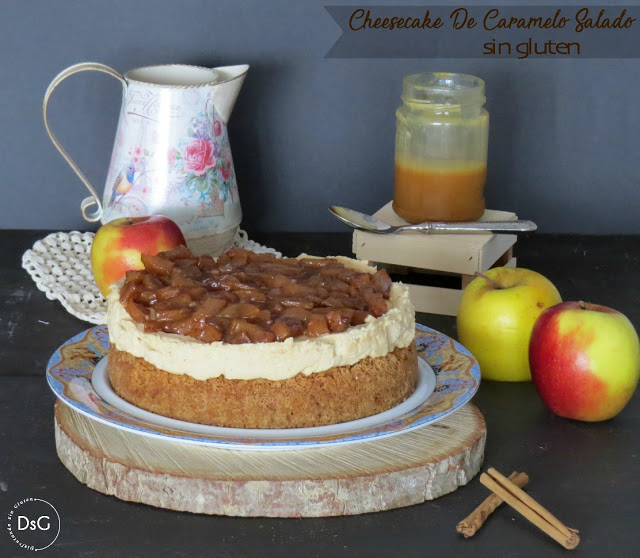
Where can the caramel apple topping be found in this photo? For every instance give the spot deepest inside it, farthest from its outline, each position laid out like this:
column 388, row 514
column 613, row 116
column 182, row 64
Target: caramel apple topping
column 244, row 297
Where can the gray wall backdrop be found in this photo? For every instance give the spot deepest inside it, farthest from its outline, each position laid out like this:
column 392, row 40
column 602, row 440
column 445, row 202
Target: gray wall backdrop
column 307, row 131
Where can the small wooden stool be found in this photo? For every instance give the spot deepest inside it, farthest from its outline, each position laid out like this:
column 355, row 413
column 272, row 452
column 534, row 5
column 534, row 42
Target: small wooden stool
column 436, row 267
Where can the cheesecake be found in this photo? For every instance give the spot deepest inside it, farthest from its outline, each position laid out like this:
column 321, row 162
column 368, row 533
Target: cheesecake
column 251, row 341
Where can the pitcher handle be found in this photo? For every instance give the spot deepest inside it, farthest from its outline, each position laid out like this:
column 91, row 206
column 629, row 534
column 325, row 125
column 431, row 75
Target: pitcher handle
column 93, row 199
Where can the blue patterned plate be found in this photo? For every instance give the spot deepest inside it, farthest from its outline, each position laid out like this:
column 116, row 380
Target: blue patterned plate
column 457, row 376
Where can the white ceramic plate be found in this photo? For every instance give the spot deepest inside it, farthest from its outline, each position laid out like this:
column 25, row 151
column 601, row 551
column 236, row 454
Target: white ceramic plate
column 77, row 375
column 426, row 383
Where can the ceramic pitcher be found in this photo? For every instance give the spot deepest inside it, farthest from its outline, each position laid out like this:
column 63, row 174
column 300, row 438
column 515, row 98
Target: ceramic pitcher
column 171, row 154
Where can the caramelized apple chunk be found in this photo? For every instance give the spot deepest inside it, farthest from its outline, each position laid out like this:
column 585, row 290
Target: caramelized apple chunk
column 138, row 312
column 180, row 252
column 339, row 320
column 382, row 282
column 210, row 306
column 317, row 325
column 287, row 327
column 157, row 265
column 240, row 311
column 129, row 291
column 208, row 333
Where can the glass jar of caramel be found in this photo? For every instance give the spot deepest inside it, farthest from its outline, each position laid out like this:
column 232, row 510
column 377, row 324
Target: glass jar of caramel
column 441, row 148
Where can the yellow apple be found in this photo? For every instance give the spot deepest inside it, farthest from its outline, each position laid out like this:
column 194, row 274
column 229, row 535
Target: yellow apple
column 496, row 317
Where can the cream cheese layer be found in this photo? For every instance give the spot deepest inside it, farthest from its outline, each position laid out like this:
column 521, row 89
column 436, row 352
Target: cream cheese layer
column 273, row 361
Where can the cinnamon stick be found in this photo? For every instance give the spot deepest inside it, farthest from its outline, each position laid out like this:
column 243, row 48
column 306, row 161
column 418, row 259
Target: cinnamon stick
column 529, row 501
column 530, row 509
column 470, row 524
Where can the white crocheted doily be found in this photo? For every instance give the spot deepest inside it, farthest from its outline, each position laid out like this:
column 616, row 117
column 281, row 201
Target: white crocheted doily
column 60, row 264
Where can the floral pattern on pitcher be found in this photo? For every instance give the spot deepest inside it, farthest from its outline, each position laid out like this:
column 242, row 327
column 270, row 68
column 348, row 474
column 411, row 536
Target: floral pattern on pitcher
column 131, row 184
column 204, row 157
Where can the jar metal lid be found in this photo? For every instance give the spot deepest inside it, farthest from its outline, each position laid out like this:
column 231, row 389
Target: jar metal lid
column 442, row 88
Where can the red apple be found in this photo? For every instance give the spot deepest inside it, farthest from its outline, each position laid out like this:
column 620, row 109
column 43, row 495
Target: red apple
column 585, row 360
column 118, row 244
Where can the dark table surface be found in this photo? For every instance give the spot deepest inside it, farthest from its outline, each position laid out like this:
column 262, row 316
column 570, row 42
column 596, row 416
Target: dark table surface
column 586, row 474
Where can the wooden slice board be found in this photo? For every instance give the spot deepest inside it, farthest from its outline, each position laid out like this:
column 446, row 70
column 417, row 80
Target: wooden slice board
column 370, row 476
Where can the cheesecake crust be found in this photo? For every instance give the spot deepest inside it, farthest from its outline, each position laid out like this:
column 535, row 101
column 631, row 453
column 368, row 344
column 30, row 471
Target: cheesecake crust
column 340, row 394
